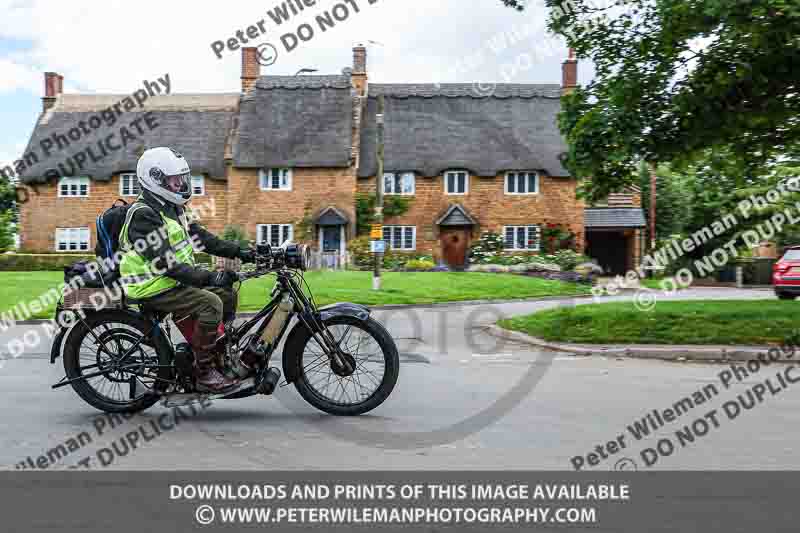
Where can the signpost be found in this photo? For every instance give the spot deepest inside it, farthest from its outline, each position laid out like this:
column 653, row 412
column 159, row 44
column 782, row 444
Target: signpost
column 377, row 247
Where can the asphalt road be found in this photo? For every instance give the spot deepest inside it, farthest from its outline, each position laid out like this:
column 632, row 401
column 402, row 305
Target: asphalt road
column 465, row 400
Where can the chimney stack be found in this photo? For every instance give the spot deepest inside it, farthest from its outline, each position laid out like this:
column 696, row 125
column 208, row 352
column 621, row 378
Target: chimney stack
column 53, row 86
column 359, row 75
column 251, row 68
column 569, row 73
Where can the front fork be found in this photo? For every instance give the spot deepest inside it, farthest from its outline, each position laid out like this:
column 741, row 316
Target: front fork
column 325, row 340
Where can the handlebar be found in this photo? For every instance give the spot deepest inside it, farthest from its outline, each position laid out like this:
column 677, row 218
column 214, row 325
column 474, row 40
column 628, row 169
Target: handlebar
column 269, row 260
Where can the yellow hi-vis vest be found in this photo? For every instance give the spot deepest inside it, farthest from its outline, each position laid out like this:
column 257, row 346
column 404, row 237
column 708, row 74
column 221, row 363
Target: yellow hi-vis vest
column 139, row 280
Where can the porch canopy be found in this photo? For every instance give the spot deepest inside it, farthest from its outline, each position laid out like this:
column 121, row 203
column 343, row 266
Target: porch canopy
column 330, row 216
column 614, row 217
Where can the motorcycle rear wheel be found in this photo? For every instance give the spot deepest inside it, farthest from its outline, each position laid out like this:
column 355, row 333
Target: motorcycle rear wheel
column 118, row 332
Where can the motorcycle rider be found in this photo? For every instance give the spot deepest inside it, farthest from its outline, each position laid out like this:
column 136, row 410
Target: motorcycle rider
column 161, row 270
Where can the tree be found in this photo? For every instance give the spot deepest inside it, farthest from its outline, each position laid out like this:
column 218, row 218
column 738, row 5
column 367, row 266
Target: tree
column 7, row 195
column 677, row 79
column 6, row 231
column 674, row 201
column 715, row 188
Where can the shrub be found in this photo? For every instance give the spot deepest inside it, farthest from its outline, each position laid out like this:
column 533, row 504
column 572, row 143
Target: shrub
column 57, row 261
column 566, row 259
column 507, row 260
column 40, row 262
column 490, row 250
column 420, row 265
column 362, row 258
column 555, row 238
column 487, row 248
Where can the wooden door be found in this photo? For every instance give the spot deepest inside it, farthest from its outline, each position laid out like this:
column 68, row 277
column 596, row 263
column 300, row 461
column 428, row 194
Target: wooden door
column 455, row 243
column 331, row 239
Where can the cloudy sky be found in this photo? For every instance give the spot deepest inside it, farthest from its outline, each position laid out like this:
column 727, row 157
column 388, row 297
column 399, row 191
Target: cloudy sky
column 111, row 46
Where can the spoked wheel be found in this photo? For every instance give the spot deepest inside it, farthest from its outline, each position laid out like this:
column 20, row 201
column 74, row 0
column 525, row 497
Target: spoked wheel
column 119, row 363
column 361, row 380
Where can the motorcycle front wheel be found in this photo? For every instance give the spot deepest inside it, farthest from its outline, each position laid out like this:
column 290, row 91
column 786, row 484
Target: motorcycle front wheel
column 375, row 366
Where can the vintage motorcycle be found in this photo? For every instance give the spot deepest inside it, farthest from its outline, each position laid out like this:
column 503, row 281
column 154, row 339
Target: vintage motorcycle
column 121, row 359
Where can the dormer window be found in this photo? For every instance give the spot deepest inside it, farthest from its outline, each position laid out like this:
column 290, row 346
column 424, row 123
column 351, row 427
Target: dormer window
column 198, row 186
column 456, row 182
column 129, row 185
column 77, row 187
column 276, row 179
column 402, row 183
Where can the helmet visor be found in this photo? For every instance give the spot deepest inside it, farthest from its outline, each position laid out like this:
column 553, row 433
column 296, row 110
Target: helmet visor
column 178, row 184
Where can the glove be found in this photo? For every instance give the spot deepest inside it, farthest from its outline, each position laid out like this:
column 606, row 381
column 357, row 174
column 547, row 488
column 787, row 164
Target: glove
column 224, row 279
column 247, row 255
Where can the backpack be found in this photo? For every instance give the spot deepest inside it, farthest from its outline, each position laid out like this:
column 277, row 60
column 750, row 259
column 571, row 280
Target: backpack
column 109, row 226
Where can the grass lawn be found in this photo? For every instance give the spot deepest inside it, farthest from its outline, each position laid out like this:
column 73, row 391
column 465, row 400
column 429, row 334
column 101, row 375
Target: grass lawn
column 657, row 284
column 331, row 287
column 744, row 322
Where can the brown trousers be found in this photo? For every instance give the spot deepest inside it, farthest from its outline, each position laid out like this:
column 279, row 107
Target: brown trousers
column 211, row 305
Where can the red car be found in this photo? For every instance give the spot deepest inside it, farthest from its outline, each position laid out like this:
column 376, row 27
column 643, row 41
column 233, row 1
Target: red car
column 786, row 274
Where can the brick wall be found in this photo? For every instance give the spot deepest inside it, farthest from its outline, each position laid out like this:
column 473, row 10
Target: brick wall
column 213, row 207
column 487, row 202
column 241, row 201
column 312, row 190
column 45, row 211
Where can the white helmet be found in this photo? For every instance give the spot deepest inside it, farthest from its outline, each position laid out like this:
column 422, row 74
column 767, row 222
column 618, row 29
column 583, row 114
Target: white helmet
column 165, row 173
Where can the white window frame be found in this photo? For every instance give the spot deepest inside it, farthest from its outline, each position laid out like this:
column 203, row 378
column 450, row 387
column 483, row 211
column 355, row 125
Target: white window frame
column 402, row 229
column 447, row 182
column 396, row 183
column 265, row 179
column 78, row 182
column 202, row 180
column 66, row 236
column 260, row 228
column 526, row 175
column 134, row 181
column 528, row 228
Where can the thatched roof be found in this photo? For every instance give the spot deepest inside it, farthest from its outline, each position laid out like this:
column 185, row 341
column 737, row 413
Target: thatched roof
column 432, row 128
column 197, row 125
column 296, row 121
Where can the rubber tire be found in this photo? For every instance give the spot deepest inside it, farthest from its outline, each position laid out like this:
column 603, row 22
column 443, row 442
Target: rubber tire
column 786, row 296
column 391, row 373
column 72, row 360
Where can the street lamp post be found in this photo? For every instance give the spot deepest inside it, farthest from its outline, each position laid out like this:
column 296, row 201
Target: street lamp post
column 379, row 120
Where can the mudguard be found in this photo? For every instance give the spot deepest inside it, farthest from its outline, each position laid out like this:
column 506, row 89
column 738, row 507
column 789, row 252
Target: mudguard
column 355, row 310
column 290, row 367
column 58, row 340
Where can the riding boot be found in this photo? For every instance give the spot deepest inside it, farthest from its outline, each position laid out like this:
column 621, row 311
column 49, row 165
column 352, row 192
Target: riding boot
column 209, row 379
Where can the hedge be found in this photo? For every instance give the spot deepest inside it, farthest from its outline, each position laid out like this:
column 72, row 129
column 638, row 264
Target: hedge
column 57, row 262
column 34, row 262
